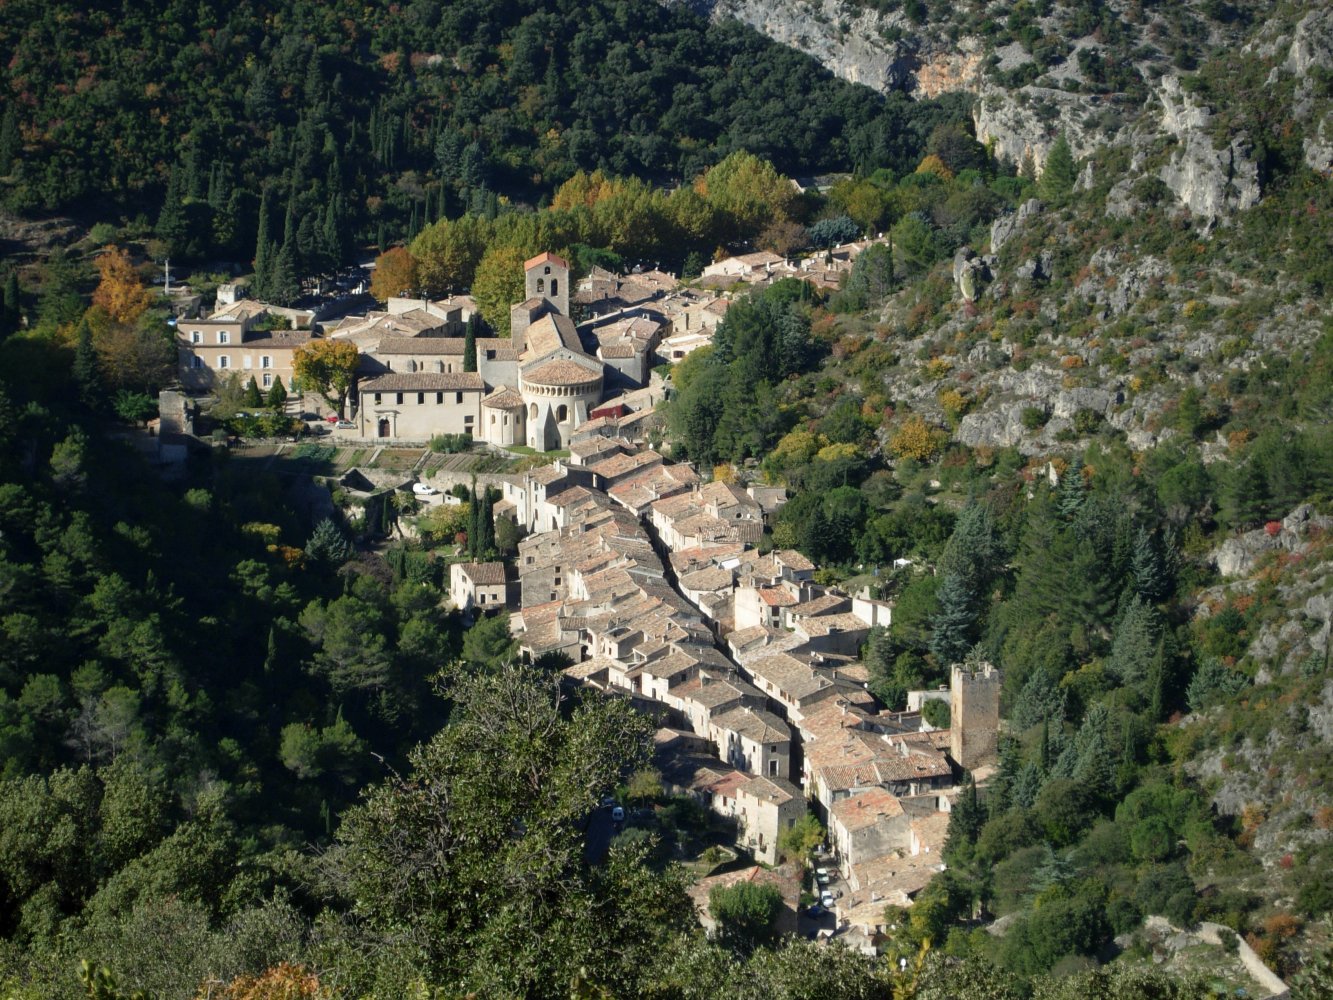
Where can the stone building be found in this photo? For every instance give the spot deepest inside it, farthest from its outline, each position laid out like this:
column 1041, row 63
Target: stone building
column 974, row 715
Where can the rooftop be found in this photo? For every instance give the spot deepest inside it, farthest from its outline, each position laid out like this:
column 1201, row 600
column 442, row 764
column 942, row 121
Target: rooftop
column 424, row 382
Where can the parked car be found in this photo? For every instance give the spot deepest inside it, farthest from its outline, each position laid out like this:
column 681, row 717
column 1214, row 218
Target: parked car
column 332, row 418
column 424, row 489
column 617, row 814
column 827, row 901
column 608, row 801
column 345, row 425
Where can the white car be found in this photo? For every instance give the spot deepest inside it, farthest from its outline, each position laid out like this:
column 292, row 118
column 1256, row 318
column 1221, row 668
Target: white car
column 617, row 814
column 827, row 901
column 424, row 489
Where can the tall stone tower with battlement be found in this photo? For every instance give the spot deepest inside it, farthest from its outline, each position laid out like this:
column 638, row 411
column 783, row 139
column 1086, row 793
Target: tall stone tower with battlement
column 974, row 715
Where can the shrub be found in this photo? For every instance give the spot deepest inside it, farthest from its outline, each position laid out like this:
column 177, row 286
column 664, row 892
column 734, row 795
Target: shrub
column 448, row 444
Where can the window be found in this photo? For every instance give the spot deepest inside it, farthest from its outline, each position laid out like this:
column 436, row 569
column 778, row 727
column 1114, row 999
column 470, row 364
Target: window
column 772, row 768
column 467, row 421
column 247, row 362
column 439, row 399
column 266, row 361
column 492, row 419
column 421, row 398
column 196, row 362
column 533, row 411
column 196, row 337
column 541, row 284
column 224, row 361
column 224, row 337
column 398, row 398
column 557, row 581
column 555, row 290
column 377, row 399
column 268, row 381
column 562, row 413
column 547, row 269
column 458, row 397
column 439, row 366
column 481, row 598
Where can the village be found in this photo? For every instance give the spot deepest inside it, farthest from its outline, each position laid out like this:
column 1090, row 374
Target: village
column 651, row 584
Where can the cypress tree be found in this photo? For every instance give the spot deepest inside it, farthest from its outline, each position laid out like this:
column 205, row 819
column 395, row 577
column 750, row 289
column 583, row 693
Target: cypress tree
column 172, row 226
column 470, row 345
column 252, row 399
column 284, row 287
column 263, row 250
column 486, row 526
column 277, row 395
column 10, row 140
column 10, row 313
column 87, row 377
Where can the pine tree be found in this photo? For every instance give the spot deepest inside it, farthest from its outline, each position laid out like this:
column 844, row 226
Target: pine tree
column 1149, row 568
column 952, row 624
column 470, row 345
column 1134, row 644
column 1073, row 491
column 1246, row 499
column 87, row 376
column 1059, row 172
column 10, row 314
column 972, row 552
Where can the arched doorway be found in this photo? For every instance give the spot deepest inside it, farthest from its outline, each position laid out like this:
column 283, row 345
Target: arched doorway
column 384, row 427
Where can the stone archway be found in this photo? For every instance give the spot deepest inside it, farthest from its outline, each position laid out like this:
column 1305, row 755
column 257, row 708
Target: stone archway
column 384, row 427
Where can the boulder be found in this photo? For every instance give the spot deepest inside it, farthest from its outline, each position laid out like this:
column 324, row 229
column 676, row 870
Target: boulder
column 1007, row 225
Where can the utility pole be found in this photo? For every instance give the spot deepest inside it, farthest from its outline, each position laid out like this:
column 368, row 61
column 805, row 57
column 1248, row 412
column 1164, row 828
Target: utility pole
column 166, row 286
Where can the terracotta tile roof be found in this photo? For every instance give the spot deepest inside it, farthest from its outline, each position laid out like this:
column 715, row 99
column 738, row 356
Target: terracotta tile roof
column 754, row 724
column 711, row 578
column 616, row 351
column 775, row 790
column 828, row 624
column 545, row 258
column 484, row 573
column 504, row 398
column 278, row 339
column 420, row 345
column 561, row 373
column 793, row 560
column 865, row 810
column 777, row 597
column 424, row 382
column 550, row 333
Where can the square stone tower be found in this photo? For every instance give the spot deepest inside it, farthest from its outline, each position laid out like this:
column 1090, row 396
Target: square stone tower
column 546, row 276
column 974, row 715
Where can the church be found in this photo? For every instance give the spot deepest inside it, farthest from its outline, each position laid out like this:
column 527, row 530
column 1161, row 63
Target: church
column 533, row 389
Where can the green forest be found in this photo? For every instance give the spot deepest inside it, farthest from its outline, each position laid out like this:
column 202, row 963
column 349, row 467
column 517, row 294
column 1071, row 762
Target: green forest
column 244, row 754
column 350, row 125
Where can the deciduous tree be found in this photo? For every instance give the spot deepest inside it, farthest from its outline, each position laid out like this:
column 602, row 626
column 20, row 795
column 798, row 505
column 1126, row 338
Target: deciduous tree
column 329, row 366
column 395, row 275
